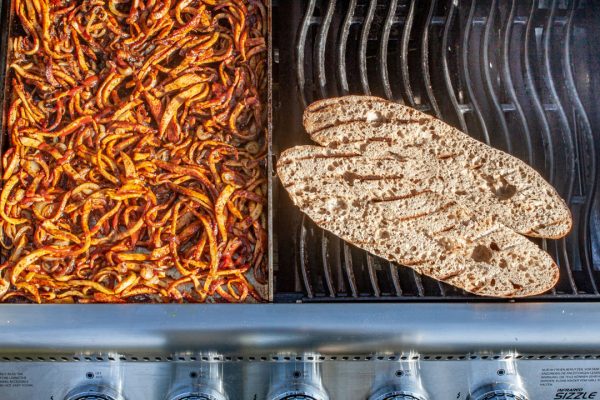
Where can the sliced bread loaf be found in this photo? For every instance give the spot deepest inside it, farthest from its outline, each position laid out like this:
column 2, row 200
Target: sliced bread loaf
column 388, row 204
column 479, row 177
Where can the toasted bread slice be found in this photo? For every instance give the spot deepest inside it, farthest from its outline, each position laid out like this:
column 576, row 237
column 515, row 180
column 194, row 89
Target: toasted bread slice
column 386, row 204
column 481, row 178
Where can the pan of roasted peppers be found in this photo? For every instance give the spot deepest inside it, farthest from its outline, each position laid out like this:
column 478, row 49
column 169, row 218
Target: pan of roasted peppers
column 135, row 169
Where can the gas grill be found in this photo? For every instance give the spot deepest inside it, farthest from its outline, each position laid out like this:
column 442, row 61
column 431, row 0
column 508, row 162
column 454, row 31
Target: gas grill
column 522, row 76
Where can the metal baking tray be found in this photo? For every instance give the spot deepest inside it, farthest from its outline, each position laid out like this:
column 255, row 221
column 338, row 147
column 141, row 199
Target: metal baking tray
column 12, row 27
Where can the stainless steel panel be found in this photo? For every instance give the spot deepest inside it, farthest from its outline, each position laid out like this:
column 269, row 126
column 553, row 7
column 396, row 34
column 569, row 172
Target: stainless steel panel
column 242, row 330
column 347, row 380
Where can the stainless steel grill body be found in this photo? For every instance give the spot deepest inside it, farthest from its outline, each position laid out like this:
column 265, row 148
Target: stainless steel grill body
column 520, row 75
column 151, row 352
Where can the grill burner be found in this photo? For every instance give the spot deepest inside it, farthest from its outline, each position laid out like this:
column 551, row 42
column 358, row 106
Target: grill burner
column 518, row 75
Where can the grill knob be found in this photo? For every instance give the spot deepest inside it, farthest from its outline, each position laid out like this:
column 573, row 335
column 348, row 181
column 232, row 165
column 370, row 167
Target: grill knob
column 499, row 393
column 94, row 392
column 204, row 395
column 93, row 397
column 296, row 396
column 502, row 395
column 398, row 395
column 196, row 397
column 297, row 381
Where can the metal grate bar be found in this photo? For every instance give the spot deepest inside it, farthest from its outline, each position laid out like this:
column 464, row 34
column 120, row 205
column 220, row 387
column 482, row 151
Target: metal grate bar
column 466, row 55
column 509, row 85
column 418, row 284
column 446, row 67
column 304, row 258
column 538, row 107
column 565, row 132
column 395, row 278
column 301, row 48
column 364, row 39
column 326, row 262
column 487, row 74
column 406, row 74
column 322, row 46
column 588, row 138
column 348, row 264
column 383, row 49
column 404, row 54
column 343, row 76
column 373, row 275
column 425, row 61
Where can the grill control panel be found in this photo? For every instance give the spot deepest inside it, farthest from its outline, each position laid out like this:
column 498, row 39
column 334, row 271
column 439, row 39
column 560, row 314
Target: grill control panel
column 302, row 378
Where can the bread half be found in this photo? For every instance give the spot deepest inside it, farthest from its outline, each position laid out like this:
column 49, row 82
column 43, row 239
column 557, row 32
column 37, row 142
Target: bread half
column 479, row 177
column 384, row 204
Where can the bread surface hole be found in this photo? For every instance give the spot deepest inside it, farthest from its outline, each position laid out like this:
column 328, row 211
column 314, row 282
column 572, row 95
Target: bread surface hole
column 505, row 192
column 481, row 254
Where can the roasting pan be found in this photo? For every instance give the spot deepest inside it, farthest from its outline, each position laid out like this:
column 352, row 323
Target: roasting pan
column 12, row 27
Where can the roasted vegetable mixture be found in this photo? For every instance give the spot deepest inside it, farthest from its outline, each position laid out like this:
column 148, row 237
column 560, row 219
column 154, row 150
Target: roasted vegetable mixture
column 135, row 168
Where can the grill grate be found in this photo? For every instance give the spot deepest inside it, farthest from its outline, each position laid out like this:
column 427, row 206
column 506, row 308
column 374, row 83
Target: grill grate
column 521, row 76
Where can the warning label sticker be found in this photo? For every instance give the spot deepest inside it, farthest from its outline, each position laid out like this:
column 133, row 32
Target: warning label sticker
column 552, row 376
column 14, row 379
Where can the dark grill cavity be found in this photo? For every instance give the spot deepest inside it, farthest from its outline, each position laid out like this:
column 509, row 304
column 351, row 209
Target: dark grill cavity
column 522, row 76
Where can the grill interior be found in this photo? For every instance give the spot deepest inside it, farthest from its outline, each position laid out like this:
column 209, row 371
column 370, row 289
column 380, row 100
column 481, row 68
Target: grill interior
column 522, row 76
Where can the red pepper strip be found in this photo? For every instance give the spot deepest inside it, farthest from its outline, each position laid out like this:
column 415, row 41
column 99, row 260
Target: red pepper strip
column 12, row 182
column 220, row 205
column 173, row 106
column 26, row 261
